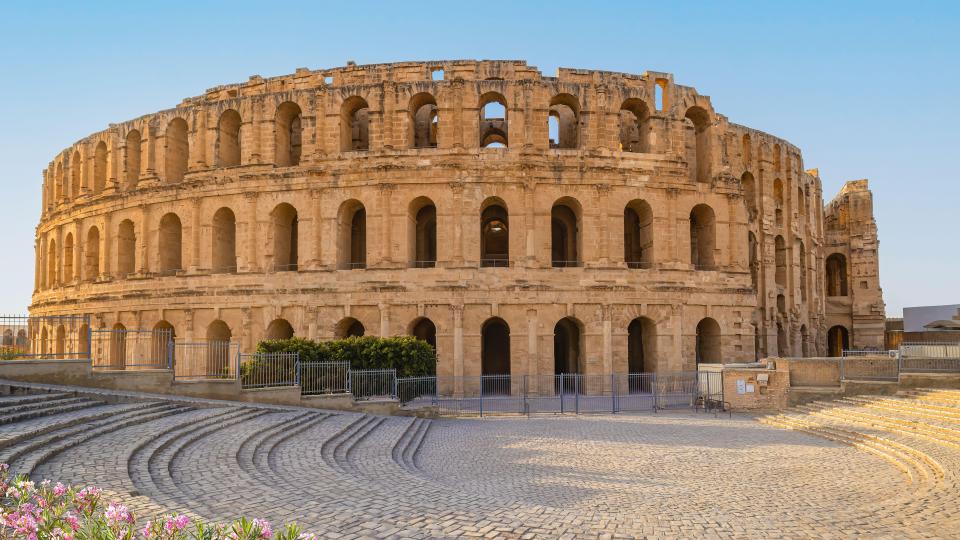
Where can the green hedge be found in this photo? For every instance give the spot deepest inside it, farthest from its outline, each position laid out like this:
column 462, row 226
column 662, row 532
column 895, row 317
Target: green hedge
column 410, row 356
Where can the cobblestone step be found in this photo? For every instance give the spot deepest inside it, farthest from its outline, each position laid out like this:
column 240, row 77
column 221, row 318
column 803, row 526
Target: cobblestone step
column 927, row 411
column 20, row 413
column 9, row 401
column 407, row 448
column 946, row 436
column 337, row 450
column 934, row 396
column 264, row 455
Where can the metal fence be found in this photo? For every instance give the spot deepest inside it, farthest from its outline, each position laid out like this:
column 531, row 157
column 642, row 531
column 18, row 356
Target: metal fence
column 561, row 394
column 876, row 367
column 373, row 384
column 929, row 357
column 205, row 359
column 46, row 336
column 869, row 352
column 269, row 370
column 131, row 349
column 316, row 378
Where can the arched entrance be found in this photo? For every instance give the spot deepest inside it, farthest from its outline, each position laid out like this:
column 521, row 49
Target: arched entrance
column 838, row 340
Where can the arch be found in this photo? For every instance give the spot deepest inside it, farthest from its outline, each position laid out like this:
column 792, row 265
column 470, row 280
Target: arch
column 351, row 235
column 354, row 124
column 61, row 342
column 778, row 201
column 836, row 275
column 753, row 251
column 494, row 233
column 118, row 346
column 804, row 341
column 698, row 143
column 634, row 128
column 228, row 139
column 495, row 347
column 349, row 327
column 171, row 244
column 776, row 157
column 218, row 349
column 83, row 341
column 638, row 234
column 126, row 248
column 100, row 167
column 424, row 330
column 780, row 258
column 424, row 121
column 279, row 329
column 284, row 219
column 161, row 345
column 288, row 135
column 565, row 233
column 568, row 354
column 838, row 340
column 708, row 342
column 422, row 233
column 131, row 159
column 76, row 167
column 224, row 241
column 176, row 150
column 494, row 120
column 52, row 277
column 68, row 258
column 641, row 346
column 564, row 121
column 703, row 237
column 749, row 187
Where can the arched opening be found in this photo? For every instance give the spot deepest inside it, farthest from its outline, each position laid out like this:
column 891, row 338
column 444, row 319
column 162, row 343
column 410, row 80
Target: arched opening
column 171, row 244
column 495, row 347
column 803, row 270
column 176, row 150
column 703, row 237
column 634, row 131
column 804, row 341
column 422, row 233
column 91, row 264
column 288, row 135
column 698, row 143
column 493, row 120
column 424, row 330
column 52, row 278
column 349, row 327
column 565, row 233
column 836, row 275
column 224, row 238
column 75, row 169
column 60, row 186
column 83, row 340
column 279, row 329
column 285, row 237
column 44, row 341
column 228, row 139
column 494, row 234
column 776, row 157
column 752, row 248
column 118, row 346
column 838, row 340
column 218, row 349
column 641, row 347
column 352, row 235
column 778, row 201
column 61, row 342
column 563, row 122
column 638, row 234
column 100, row 167
column 424, row 121
column 568, row 355
column 782, row 305
column 131, row 160
column 126, row 248
column 783, row 348
column 780, row 258
column 708, row 342
column 161, row 346
column 801, row 203
column 354, row 124
column 749, row 187
column 68, row 258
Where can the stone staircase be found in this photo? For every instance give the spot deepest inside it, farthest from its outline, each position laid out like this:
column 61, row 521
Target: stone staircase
column 917, row 431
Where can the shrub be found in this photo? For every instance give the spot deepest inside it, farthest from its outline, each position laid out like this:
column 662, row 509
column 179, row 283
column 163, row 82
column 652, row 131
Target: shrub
column 410, row 356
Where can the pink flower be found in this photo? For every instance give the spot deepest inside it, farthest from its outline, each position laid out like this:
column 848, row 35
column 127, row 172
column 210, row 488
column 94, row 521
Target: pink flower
column 59, row 489
column 264, row 526
column 117, row 514
column 146, row 531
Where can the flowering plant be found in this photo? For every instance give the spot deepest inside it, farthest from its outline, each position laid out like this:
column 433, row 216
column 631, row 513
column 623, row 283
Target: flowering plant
column 58, row 512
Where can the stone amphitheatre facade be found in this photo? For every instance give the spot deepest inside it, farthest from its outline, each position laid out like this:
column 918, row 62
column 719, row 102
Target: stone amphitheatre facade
column 591, row 222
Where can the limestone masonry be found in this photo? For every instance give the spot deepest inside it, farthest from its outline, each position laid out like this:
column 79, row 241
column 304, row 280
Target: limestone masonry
column 592, row 222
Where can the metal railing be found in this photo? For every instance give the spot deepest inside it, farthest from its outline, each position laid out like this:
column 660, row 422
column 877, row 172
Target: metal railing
column 316, row 378
column 205, row 360
column 566, row 264
column 634, row 265
column 269, row 370
column 494, row 263
column 288, row 267
column 44, row 336
column 917, row 357
column 131, row 349
column 373, row 384
column 352, row 266
column 869, row 352
column 876, row 367
column 560, row 394
column 423, row 264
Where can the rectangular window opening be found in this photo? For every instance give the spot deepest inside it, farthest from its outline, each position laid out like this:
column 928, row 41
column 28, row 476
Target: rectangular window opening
column 436, row 74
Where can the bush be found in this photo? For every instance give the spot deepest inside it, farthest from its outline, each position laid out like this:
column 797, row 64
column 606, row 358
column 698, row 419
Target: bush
column 410, row 356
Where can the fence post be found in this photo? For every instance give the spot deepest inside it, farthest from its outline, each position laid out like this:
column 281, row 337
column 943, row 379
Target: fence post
column 89, row 339
column 842, row 377
column 526, row 402
column 296, row 370
column 395, row 394
column 576, row 392
column 613, row 394
column 481, row 396
column 561, row 393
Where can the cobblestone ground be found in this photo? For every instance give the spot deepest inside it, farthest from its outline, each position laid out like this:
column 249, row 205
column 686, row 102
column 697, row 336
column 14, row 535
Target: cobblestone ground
column 346, row 475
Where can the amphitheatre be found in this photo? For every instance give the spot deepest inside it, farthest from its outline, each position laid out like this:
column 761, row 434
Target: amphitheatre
column 594, row 242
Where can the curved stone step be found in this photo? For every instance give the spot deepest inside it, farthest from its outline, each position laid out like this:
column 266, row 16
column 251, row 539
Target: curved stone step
column 249, row 447
column 263, row 458
column 908, row 407
column 9, row 401
column 341, row 451
column 407, row 447
column 46, row 408
column 939, row 435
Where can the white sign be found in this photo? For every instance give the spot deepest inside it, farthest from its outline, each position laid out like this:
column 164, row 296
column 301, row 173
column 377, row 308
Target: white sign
column 741, row 386
column 749, row 388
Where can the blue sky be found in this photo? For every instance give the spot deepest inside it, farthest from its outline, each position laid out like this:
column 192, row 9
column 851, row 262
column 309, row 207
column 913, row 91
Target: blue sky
column 865, row 89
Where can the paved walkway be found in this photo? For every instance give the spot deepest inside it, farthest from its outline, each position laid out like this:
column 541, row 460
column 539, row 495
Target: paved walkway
column 345, row 475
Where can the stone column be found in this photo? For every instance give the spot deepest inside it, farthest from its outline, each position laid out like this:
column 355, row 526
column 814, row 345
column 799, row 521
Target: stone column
column 105, row 245
column 457, row 310
column 316, row 240
column 532, row 328
column 145, row 232
column 458, row 217
column 251, row 232
column 606, row 311
column 195, row 235
column 384, row 319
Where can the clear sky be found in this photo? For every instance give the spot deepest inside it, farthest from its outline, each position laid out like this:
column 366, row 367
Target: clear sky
column 865, row 89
